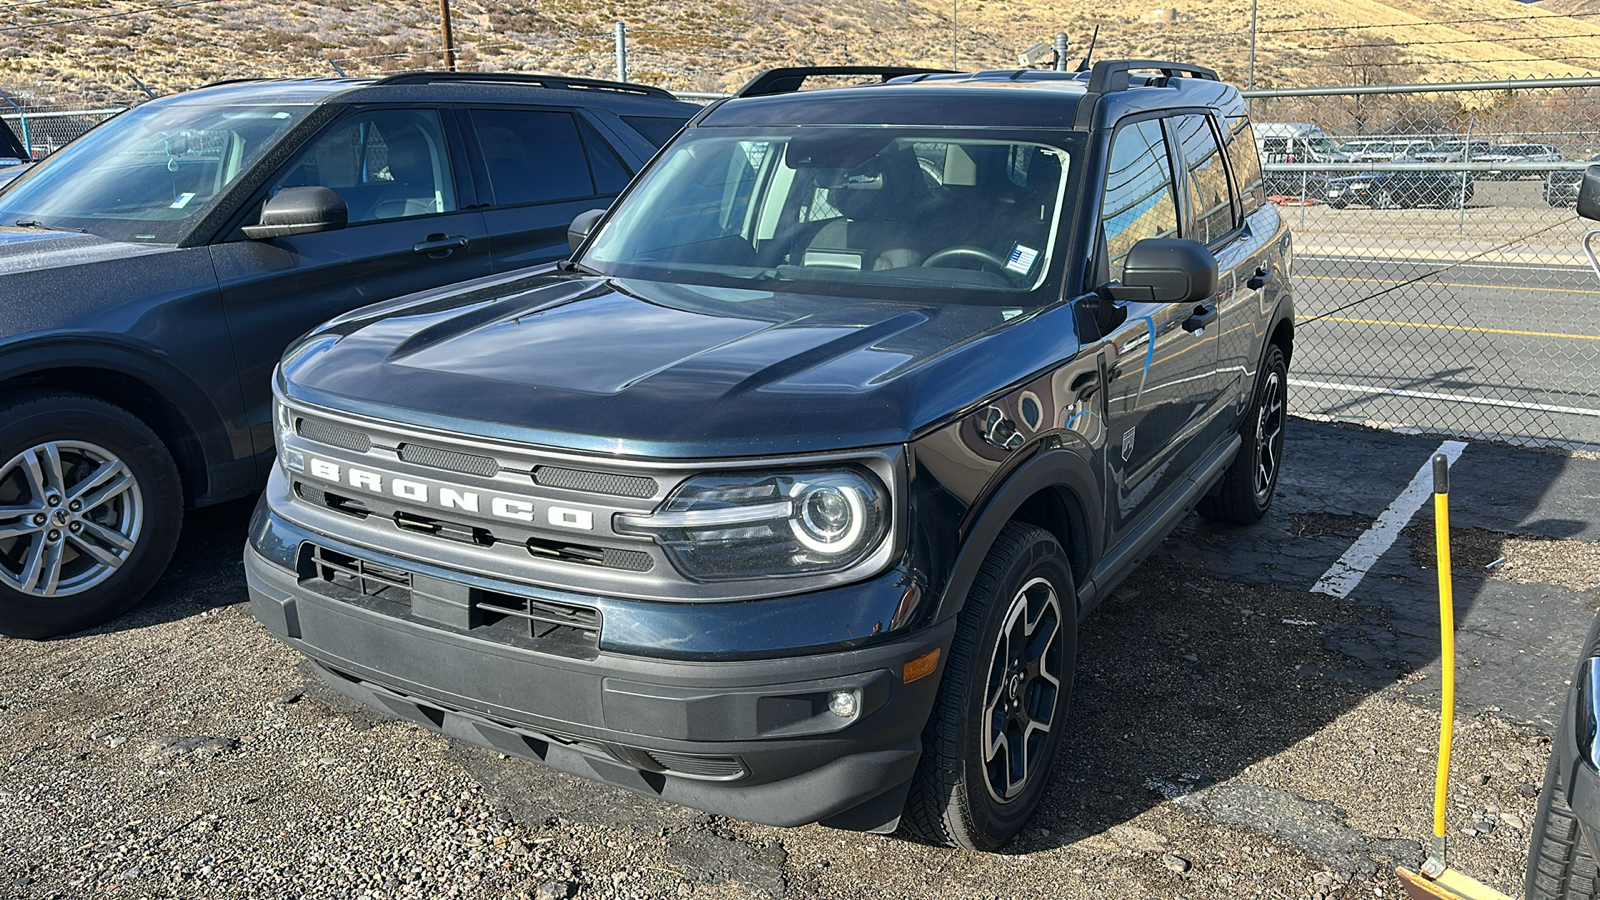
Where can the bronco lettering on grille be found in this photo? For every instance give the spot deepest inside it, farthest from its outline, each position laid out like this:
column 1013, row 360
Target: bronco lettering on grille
column 511, row 508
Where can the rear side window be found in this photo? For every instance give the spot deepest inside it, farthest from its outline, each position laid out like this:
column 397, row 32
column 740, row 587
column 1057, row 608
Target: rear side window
column 533, row 156
column 1241, row 149
column 1210, row 206
column 656, row 129
column 1139, row 200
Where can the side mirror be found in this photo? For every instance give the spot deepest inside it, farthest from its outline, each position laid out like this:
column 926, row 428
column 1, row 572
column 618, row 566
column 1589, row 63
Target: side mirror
column 582, row 225
column 1589, row 194
column 1167, row 270
column 300, row 210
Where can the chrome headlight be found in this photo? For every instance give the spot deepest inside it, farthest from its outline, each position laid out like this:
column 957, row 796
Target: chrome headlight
column 747, row 525
column 291, row 459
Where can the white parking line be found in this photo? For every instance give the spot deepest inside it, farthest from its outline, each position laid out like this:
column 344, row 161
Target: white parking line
column 1343, row 576
column 1453, row 398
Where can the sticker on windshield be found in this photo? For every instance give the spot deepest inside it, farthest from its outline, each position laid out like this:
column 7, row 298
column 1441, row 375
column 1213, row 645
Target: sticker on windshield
column 1021, row 259
column 183, row 200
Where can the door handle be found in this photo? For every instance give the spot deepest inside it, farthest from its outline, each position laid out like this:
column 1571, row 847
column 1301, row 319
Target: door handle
column 1203, row 316
column 438, row 246
column 1259, row 279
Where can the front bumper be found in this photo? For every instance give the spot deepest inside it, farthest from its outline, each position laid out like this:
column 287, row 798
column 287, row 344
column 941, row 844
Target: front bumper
column 749, row 738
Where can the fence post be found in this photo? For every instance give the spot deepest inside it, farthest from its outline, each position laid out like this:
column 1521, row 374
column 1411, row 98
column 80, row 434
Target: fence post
column 622, row 52
column 1466, row 156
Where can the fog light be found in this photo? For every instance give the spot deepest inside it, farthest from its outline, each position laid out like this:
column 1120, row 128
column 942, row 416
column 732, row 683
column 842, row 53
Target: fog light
column 843, row 704
column 294, row 460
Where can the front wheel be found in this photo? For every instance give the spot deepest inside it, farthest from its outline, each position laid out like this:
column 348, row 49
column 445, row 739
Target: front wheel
column 1245, row 494
column 90, row 508
column 997, row 723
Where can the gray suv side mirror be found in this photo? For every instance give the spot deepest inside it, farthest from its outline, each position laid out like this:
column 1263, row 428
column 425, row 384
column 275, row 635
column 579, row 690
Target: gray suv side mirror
column 1589, row 194
column 1167, row 270
column 300, row 210
column 581, row 226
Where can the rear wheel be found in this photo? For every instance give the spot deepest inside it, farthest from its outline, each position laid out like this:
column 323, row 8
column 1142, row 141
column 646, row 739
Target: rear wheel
column 1245, row 494
column 997, row 723
column 1560, row 866
column 90, row 508
column 1383, row 199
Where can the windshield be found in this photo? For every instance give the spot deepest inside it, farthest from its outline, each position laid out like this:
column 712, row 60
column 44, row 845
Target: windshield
column 149, row 174
column 879, row 212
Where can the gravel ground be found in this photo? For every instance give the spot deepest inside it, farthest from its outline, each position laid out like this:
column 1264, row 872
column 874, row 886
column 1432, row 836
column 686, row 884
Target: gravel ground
column 1220, row 749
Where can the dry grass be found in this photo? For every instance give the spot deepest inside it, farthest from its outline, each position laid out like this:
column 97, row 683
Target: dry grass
column 717, row 44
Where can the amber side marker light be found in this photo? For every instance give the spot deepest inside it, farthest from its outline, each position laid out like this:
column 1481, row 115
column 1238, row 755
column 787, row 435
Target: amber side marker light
column 920, row 667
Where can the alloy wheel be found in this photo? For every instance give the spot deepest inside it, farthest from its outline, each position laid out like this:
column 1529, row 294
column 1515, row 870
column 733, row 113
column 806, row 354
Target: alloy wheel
column 1020, row 696
column 71, row 513
column 1269, row 435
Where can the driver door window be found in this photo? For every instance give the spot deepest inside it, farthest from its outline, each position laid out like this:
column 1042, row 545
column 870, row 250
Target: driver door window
column 384, row 164
column 1139, row 200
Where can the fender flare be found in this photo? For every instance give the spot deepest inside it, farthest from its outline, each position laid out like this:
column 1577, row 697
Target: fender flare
column 1051, row 467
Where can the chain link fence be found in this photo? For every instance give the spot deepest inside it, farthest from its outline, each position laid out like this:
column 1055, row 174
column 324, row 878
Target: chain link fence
column 1440, row 280
column 44, row 133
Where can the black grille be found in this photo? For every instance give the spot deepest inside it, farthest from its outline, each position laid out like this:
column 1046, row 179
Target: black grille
column 595, row 482
column 369, row 579
column 582, row 554
column 449, row 460
column 333, row 435
column 544, row 617
column 695, row 766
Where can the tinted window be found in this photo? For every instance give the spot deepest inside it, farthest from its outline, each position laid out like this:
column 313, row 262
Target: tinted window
column 655, row 129
column 1210, row 207
column 9, row 145
column 611, row 174
column 533, row 155
column 1241, row 147
column 385, row 164
column 1138, row 199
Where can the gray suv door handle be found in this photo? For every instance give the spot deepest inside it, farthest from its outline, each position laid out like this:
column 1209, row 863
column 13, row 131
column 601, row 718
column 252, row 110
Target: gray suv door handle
column 1259, row 279
column 1203, row 316
column 438, row 246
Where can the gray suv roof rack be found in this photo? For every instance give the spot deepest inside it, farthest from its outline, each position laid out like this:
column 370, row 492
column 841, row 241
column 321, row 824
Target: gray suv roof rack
column 789, row 79
column 1113, row 75
column 556, row 82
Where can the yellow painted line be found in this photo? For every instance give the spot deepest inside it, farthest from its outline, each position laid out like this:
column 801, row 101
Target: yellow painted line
column 1548, row 334
column 1454, row 284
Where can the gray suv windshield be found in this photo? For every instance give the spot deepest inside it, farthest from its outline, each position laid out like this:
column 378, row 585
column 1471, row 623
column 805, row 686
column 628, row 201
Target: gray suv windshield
column 843, row 210
column 149, row 174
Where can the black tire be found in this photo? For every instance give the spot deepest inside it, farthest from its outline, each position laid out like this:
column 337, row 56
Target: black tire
column 109, row 509
column 1246, row 491
column 1559, row 864
column 965, row 792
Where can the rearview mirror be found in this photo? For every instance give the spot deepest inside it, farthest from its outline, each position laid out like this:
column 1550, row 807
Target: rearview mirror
column 581, row 226
column 1589, row 194
column 300, row 210
column 1167, row 270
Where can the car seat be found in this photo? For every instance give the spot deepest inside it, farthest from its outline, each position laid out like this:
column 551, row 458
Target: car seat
column 414, row 191
column 880, row 204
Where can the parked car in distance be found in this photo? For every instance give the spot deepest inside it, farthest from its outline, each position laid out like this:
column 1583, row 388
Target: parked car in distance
column 1517, row 153
column 783, row 499
column 1561, row 185
column 1454, row 151
column 1384, row 150
column 154, row 270
column 1398, row 190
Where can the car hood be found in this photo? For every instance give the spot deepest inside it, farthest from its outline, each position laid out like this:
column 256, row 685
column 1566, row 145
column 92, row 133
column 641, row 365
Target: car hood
column 30, row 249
column 669, row 370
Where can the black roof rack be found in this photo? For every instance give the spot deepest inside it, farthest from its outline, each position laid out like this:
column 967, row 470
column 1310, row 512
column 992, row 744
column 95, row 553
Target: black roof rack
column 555, row 82
column 1112, row 75
column 789, row 79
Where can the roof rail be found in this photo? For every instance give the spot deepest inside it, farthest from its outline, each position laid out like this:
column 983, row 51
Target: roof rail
column 1112, row 75
column 789, row 79
column 554, row 82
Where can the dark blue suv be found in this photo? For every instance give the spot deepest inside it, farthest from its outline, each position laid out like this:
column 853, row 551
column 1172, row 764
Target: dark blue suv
column 785, row 496
column 154, row 271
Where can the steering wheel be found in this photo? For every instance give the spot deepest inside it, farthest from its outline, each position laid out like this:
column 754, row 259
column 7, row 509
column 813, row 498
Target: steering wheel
column 987, row 257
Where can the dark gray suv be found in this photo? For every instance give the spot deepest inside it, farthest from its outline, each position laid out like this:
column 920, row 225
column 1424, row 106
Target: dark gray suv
column 785, row 496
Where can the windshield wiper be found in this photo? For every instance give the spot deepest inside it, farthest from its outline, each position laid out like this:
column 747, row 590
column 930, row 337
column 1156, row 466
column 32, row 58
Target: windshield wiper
column 567, row 265
column 34, row 223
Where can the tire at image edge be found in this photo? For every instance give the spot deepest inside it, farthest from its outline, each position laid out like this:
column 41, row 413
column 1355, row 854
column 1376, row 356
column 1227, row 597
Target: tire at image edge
column 35, row 419
column 1559, row 864
column 1236, row 499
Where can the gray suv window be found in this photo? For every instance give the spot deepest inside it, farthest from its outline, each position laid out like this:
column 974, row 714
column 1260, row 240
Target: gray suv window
column 385, row 164
column 1139, row 200
column 536, row 156
column 1210, row 205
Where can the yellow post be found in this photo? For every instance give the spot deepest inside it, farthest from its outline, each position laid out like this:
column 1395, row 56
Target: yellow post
column 1447, row 643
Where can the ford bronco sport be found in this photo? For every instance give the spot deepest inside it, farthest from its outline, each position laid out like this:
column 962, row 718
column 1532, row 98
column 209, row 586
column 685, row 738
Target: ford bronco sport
column 785, row 496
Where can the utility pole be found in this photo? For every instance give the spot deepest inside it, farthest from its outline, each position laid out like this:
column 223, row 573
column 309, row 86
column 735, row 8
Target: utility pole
column 954, row 8
column 622, row 52
column 1250, row 76
column 449, row 38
